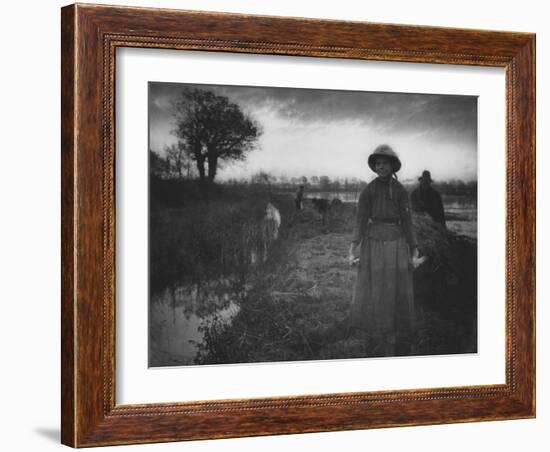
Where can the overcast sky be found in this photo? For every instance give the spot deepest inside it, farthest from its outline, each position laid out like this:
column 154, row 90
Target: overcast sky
column 331, row 132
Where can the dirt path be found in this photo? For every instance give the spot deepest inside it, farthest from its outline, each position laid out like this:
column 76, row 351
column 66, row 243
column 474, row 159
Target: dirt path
column 322, row 265
column 316, row 256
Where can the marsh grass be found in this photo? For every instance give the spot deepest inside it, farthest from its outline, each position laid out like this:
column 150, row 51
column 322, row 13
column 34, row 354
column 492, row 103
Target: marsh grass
column 196, row 238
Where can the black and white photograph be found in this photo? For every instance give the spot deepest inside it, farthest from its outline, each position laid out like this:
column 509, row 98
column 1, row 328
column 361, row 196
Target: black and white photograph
column 293, row 224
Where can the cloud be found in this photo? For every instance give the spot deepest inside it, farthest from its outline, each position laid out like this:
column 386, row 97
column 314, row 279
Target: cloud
column 441, row 115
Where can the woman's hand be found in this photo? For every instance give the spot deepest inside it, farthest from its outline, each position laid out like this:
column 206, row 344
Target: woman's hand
column 416, row 260
column 353, row 256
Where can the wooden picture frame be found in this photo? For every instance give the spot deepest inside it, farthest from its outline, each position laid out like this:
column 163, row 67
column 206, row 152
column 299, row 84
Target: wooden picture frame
column 90, row 36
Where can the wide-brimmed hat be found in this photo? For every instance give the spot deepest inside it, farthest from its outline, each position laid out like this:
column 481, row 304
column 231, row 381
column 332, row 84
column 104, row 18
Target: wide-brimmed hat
column 385, row 151
column 426, row 176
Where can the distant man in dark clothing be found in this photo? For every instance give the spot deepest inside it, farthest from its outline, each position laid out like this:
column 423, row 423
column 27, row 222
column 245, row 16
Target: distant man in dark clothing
column 425, row 198
column 298, row 199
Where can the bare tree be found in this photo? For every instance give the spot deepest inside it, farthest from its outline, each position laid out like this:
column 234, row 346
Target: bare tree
column 211, row 129
column 179, row 160
column 159, row 166
column 261, row 177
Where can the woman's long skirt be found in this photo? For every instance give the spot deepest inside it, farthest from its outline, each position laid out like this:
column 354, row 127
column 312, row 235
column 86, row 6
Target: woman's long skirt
column 383, row 301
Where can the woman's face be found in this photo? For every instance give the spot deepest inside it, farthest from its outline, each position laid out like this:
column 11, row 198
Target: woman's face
column 383, row 167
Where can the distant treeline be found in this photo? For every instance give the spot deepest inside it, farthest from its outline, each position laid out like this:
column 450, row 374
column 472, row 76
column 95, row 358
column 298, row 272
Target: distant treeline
column 455, row 187
column 172, row 171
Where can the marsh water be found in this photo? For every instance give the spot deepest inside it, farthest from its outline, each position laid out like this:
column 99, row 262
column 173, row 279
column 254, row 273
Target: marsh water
column 461, row 214
column 177, row 315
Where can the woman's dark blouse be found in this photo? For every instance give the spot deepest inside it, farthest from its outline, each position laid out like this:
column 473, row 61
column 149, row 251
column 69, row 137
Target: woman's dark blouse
column 386, row 203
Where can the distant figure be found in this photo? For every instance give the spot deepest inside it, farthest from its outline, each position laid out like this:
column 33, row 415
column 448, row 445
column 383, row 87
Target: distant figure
column 425, row 198
column 298, row 199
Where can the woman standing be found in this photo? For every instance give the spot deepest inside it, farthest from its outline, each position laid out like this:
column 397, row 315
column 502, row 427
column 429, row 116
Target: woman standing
column 382, row 245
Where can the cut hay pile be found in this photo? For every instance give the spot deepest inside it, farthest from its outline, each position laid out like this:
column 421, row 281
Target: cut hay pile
column 445, row 289
column 433, row 241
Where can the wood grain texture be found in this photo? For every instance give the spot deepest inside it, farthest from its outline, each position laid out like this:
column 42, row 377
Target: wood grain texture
column 68, row 311
column 90, row 36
